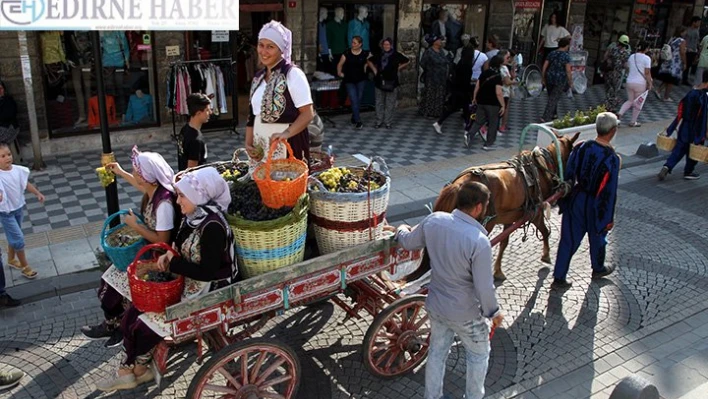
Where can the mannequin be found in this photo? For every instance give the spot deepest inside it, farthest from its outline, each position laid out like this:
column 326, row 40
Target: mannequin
column 54, row 59
column 440, row 25
column 140, row 108
column 324, row 58
column 115, row 54
column 454, row 32
column 359, row 26
column 336, row 38
column 79, row 54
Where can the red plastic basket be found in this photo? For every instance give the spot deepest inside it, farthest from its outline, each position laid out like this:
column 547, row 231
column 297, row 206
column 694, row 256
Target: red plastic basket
column 149, row 296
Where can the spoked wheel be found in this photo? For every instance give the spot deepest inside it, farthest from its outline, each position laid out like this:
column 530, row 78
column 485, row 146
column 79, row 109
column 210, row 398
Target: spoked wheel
column 253, row 369
column 398, row 339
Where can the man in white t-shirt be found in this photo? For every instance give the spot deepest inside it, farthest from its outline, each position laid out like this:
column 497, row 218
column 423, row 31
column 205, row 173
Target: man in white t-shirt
column 638, row 81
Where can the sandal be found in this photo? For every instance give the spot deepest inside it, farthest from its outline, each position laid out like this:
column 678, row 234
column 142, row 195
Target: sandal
column 15, row 263
column 635, row 124
column 27, row 272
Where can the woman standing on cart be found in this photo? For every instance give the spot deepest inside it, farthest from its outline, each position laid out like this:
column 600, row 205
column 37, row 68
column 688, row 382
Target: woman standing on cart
column 152, row 176
column 205, row 244
column 280, row 95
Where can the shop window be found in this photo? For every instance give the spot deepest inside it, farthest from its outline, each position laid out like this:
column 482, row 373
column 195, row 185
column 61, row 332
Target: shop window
column 71, row 85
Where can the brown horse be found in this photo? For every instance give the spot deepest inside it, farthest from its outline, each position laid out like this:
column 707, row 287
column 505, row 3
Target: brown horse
column 518, row 187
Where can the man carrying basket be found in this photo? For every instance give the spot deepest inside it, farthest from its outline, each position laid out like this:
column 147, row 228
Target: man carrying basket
column 692, row 112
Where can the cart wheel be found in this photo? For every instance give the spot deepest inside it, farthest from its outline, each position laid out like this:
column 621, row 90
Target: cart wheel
column 253, row 369
column 398, row 339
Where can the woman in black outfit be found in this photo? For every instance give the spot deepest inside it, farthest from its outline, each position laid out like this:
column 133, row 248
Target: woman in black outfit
column 460, row 91
column 352, row 68
column 386, row 67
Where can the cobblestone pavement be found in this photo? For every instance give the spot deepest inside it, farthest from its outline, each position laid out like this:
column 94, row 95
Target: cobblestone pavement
column 658, row 246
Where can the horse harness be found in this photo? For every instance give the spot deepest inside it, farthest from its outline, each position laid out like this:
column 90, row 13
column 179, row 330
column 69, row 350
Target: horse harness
column 528, row 165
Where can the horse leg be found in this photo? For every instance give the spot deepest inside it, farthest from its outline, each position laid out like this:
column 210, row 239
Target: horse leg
column 540, row 224
column 498, row 273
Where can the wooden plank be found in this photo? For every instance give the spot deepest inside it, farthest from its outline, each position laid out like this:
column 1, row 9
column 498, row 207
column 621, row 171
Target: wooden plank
column 280, row 276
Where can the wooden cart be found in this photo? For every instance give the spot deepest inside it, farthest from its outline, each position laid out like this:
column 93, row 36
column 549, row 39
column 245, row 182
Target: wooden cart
column 242, row 368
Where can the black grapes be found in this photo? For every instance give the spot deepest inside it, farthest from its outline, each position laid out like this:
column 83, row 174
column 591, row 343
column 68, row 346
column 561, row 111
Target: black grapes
column 155, row 276
column 246, row 202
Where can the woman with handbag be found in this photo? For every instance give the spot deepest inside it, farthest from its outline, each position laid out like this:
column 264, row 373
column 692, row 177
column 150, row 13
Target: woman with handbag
column 280, row 100
column 671, row 70
column 638, row 81
column 460, row 91
column 385, row 67
column 152, row 176
column 489, row 99
column 205, row 244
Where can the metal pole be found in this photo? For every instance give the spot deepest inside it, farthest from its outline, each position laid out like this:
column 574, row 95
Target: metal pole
column 107, row 156
column 38, row 163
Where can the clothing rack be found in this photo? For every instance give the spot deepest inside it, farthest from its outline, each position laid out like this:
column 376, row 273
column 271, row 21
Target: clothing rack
column 234, row 93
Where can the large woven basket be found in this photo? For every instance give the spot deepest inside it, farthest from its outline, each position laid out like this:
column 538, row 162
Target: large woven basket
column 120, row 256
column 342, row 220
column 698, row 153
column 664, row 142
column 150, row 296
column 269, row 245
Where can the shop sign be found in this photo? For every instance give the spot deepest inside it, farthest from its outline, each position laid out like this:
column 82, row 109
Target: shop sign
column 146, row 38
column 172, row 51
column 219, row 36
column 204, row 15
column 292, row 4
column 528, row 4
column 144, row 47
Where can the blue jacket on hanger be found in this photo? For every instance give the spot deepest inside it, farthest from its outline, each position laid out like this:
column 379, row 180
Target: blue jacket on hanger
column 115, row 49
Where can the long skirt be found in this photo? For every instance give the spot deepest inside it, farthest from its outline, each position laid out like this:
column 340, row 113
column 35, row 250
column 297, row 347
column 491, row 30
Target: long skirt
column 613, row 91
column 433, row 101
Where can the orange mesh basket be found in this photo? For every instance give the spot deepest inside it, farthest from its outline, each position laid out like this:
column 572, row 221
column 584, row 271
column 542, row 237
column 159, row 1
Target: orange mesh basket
column 281, row 182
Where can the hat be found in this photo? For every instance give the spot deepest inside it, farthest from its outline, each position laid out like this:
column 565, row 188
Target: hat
column 432, row 38
column 624, row 39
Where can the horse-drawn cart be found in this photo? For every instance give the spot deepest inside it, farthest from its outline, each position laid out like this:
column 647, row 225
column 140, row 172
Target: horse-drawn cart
column 249, row 368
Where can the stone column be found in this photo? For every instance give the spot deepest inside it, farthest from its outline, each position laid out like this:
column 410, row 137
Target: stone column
column 302, row 21
column 408, row 43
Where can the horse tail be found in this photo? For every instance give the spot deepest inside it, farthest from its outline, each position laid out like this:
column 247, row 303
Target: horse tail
column 447, row 199
column 444, row 203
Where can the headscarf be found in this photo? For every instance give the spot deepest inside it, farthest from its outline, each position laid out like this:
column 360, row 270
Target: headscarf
column 153, row 168
column 280, row 35
column 432, row 38
column 205, row 188
column 385, row 55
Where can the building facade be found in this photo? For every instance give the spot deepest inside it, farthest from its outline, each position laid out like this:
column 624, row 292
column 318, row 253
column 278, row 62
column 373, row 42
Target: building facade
column 147, row 74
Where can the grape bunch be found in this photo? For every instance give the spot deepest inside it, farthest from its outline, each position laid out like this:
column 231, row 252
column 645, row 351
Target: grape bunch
column 246, row 202
column 155, row 276
column 105, row 176
column 235, row 172
column 342, row 180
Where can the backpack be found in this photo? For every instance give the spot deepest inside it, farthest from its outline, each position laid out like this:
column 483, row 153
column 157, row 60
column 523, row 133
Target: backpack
column 666, row 52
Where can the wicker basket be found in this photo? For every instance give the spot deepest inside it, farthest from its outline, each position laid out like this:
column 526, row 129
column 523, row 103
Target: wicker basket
column 270, row 177
column 698, row 153
column 269, row 245
column 148, row 296
column 120, row 256
column 342, row 220
column 220, row 166
column 664, row 142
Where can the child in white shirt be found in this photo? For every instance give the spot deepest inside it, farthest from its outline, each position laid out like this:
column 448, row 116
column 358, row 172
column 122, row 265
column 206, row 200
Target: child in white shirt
column 13, row 184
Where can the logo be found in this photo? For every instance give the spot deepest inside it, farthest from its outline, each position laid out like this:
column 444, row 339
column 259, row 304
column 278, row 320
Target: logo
column 22, row 12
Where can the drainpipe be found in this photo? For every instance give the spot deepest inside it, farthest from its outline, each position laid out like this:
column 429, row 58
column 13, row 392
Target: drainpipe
column 38, row 163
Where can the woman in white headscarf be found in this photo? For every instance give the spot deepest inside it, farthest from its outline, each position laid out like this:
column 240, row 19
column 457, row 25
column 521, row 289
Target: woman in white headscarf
column 152, row 176
column 280, row 100
column 205, row 244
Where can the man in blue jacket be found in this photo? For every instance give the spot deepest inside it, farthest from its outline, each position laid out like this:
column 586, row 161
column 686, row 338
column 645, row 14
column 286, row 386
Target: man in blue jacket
column 692, row 112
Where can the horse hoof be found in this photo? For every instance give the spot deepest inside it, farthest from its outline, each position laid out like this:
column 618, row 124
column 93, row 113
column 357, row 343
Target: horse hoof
column 546, row 259
column 499, row 277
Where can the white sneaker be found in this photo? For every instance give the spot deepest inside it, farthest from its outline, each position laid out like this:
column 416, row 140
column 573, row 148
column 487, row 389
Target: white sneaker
column 437, row 127
column 467, row 139
column 116, row 383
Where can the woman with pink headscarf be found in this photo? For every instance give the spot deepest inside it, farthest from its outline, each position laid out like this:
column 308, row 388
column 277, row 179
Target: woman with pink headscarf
column 205, row 244
column 152, row 176
column 280, row 100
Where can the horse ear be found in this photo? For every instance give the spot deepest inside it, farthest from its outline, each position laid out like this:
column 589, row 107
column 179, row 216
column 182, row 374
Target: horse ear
column 558, row 135
column 574, row 138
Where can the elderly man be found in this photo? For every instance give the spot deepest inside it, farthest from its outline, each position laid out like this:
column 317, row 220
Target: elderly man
column 592, row 173
column 461, row 293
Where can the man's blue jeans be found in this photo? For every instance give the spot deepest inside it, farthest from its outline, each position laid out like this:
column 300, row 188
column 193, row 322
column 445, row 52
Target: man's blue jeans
column 474, row 335
column 356, row 93
column 2, row 276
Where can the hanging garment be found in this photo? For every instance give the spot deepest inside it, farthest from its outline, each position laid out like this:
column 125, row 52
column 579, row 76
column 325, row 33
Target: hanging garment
column 139, row 109
column 222, row 92
column 93, row 116
column 115, row 49
column 52, row 47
